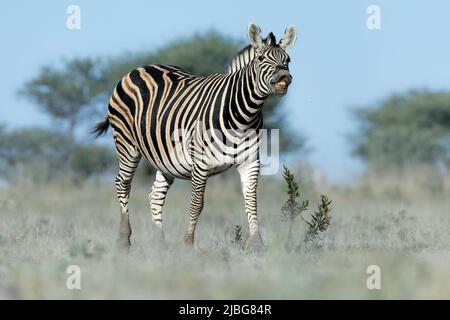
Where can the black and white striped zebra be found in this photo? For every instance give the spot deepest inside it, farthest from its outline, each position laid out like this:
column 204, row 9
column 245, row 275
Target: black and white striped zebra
column 191, row 127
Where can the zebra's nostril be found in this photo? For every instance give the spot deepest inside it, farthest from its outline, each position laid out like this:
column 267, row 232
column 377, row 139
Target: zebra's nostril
column 287, row 79
column 280, row 75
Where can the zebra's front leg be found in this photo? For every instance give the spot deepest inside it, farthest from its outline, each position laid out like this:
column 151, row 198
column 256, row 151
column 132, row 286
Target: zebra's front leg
column 199, row 177
column 249, row 180
column 157, row 197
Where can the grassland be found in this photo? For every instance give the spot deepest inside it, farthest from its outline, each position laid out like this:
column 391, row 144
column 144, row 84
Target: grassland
column 401, row 225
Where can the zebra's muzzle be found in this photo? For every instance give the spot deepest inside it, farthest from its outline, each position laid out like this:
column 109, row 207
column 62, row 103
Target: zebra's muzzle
column 281, row 81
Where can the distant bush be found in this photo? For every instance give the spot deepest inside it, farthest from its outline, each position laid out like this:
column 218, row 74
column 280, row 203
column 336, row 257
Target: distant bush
column 406, row 129
column 88, row 160
column 31, row 149
column 42, row 154
column 409, row 183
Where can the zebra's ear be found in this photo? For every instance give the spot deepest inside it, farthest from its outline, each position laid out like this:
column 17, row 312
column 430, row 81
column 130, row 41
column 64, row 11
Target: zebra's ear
column 289, row 38
column 254, row 36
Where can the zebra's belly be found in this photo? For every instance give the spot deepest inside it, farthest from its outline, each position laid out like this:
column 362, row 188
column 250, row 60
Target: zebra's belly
column 178, row 163
column 220, row 169
column 170, row 157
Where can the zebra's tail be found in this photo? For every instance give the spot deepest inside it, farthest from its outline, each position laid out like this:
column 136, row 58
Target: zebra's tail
column 101, row 128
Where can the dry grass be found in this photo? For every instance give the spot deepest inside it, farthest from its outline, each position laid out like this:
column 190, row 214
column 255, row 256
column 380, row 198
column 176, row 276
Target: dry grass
column 44, row 229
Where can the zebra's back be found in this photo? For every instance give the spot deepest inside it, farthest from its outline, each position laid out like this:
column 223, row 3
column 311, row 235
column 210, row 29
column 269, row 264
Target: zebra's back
column 155, row 108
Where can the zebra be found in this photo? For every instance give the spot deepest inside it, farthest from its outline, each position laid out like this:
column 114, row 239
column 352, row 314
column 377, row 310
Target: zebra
column 191, row 127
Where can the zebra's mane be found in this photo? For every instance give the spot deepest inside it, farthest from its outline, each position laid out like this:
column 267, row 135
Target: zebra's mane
column 247, row 54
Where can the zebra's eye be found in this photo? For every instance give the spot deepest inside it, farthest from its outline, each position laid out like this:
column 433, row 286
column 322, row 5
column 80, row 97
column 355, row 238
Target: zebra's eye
column 261, row 58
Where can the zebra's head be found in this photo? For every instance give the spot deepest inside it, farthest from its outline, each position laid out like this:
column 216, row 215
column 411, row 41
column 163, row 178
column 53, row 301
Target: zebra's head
column 271, row 60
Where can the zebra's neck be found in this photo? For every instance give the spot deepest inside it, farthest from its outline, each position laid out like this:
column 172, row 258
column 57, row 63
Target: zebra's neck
column 242, row 59
column 246, row 98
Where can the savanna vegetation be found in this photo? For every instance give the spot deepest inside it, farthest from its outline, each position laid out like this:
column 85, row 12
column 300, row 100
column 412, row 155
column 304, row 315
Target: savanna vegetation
column 59, row 206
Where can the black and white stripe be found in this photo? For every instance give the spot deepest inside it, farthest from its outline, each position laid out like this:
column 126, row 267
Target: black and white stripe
column 191, row 127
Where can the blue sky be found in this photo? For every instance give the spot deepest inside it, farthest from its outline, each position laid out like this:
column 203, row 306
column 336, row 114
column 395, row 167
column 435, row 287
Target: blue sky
column 337, row 62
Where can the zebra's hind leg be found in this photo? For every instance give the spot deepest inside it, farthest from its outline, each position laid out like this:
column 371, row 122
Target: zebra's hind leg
column 128, row 162
column 157, row 197
column 199, row 177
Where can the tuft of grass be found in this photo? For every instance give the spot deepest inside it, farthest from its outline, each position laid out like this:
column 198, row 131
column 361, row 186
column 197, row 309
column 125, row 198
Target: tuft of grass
column 238, row 238
column 87, row 250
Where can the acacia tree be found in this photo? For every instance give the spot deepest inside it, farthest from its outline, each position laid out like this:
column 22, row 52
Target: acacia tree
column 405, row 129
column 67, row 94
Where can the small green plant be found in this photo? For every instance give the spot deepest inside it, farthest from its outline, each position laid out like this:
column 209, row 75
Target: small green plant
column 320, row 220
column 293, row 208
column 237, row 235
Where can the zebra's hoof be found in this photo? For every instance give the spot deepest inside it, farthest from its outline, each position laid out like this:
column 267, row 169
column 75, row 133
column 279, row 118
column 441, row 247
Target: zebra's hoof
column 189, row 241
column 255, row 244
column 160, row 240
column 123, row 243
